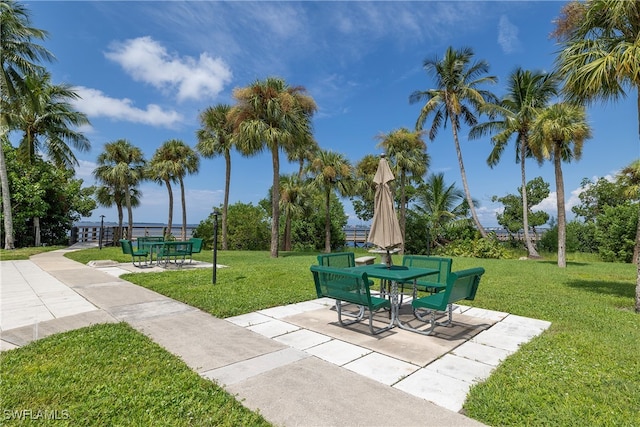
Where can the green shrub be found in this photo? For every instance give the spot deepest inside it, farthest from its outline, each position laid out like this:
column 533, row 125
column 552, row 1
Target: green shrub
column 489, row 247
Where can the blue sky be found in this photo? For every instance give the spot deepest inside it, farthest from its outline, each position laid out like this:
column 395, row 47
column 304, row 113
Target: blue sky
column 145, row 70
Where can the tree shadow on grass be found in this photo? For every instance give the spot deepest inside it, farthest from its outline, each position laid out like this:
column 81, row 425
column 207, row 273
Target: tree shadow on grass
column 576, row 263
column 621, row 289
column 285, row 254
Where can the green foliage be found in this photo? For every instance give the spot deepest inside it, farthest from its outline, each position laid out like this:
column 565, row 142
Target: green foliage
column 308, row 231
column 41, row 190
column 580, row 238
column 616, row 232
column 594, row 196
column 418, row 238
column 511, row 217
column 247, row 228
column 479, row 247
column 130, row 381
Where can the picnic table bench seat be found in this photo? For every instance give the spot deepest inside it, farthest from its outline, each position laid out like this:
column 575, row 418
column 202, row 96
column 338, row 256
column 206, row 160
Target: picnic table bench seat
column 433, row 283
column 461, row 285
column 351, row 287
column 140, row 254
column 339, row 260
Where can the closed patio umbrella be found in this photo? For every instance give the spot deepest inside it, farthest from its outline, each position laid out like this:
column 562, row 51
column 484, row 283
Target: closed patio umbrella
column 385, row 228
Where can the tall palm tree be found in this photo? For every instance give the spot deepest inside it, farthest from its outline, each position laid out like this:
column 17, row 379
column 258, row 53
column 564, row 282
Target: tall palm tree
column 558, row 133
column 47, row 122
column 409, row 161
column 215, row 138
column 122, row 166
column 330, row 172
column 20, row 55
column 161, row 170
column 178, row 161
column 527, row 93
column 293, row 193
column 456, row 98
column 599, row 58
column 442, row 205
column 108, row 196
column 272, row 115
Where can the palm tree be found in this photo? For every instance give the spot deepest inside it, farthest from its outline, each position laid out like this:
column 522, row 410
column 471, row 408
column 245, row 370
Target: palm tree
column 407, row 152
column 215, row 138
column 47, row 122
column 178, row 160
column 330, row 171
column 303, row 152
column 629, row 178
column 293, row 193
column 108, row 196
column 364, row 189
column 275, row 116
column 558, row 133
column 19, row 56
column 161, row 170
column 599, row 58
column 441, row 205
column 122, row 166
column 456, row 98
column 527, row 93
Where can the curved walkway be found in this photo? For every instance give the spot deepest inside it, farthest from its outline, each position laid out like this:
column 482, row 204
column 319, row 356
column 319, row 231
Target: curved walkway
column 291, row 363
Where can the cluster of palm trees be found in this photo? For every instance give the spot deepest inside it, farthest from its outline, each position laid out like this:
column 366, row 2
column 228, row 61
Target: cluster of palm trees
column 598, row 60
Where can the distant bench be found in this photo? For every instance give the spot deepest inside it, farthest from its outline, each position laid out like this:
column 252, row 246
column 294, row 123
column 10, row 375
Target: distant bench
column 351, row 287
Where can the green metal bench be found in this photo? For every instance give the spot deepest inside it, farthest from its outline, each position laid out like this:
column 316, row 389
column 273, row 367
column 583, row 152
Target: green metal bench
column 142, row 240
column 339, row 260
column 461, row 285
column 433, row 283
column 175, row 249
column 140, row 254
column 351, row 287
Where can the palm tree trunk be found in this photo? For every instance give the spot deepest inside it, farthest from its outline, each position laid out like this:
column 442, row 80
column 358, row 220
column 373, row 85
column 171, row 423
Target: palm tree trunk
column 183, row 234
column 120, row 221
column 170, row 219
column 287, row 233
column 465, row 185
column 36, row 231
column 403, row 210
column 562, row 216
column 127, row 197
column 327, row 223
column 6, row 202
column 275, row 199
column 225, row 204
column 531, row 250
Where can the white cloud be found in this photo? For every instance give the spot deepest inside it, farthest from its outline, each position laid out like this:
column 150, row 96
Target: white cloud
column 508, row 35
column 148, row 61
column 85, row 171
column 94, row 103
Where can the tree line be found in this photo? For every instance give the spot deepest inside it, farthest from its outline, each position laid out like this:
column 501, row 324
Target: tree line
column 599, row 60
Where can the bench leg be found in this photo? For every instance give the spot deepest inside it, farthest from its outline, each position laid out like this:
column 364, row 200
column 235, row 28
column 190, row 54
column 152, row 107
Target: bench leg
column 357, row 317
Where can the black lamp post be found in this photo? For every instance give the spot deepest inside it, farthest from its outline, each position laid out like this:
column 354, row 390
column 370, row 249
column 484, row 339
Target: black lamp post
column 101, row 231
column 215, row 244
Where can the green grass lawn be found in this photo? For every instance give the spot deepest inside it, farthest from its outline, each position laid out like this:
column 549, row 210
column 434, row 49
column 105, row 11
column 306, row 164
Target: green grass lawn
column 584, row 370
column 108, row 375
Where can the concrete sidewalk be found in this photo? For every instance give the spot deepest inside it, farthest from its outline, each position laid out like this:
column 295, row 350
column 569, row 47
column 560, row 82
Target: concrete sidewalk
column 292, row 363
